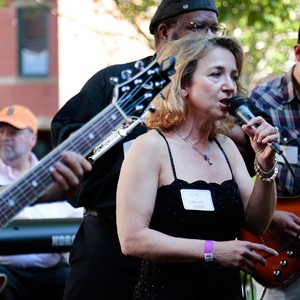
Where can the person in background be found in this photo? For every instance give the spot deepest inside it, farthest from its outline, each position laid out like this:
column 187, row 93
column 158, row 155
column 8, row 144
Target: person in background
column 37, row 275
column 97, row 266
column 280, row 99
column 184, row 190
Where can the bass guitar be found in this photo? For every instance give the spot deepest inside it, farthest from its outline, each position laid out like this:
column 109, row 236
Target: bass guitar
column 131, row 100
column 283, row 269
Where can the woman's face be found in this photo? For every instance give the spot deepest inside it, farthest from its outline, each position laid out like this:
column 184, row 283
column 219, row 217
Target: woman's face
column 213, row 83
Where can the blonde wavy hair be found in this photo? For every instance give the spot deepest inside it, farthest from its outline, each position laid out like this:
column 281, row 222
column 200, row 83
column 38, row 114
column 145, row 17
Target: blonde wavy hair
column 171, row 109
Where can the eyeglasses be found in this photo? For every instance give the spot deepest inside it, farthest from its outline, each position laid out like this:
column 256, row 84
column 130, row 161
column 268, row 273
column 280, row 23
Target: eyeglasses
column 203, row 28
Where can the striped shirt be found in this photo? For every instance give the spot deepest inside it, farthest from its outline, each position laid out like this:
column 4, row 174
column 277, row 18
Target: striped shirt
column 280, row 100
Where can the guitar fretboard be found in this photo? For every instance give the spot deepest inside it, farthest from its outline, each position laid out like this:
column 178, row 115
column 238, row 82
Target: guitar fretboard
column 37, row 181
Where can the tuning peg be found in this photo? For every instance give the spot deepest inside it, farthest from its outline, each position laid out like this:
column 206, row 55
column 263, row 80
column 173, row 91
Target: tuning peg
column 125, row 89
column 148, row 95
column 139, row 108
column 113, row 81
column 160, row 84
column 167, row 66
column 139, row 65
column 138, row 81
column 150, row 72
column 152, row 109
column 162, row 96
column 126, row 74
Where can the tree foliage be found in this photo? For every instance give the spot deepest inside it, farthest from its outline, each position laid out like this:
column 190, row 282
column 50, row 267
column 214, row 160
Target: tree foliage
column 2, row 3
column 267, row 29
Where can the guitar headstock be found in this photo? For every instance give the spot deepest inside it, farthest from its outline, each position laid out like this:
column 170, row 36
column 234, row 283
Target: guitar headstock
column 134, row 96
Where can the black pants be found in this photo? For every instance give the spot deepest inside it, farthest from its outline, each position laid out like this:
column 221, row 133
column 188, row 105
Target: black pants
column 98, row 269
column 34, row 283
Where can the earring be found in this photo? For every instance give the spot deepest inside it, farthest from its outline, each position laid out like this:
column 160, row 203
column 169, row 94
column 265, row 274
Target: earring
column 183, row 93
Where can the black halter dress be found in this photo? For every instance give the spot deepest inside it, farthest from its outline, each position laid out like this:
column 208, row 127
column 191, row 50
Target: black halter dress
column 200, row 280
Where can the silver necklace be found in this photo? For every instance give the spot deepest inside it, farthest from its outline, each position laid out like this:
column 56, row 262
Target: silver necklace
column 205, row 156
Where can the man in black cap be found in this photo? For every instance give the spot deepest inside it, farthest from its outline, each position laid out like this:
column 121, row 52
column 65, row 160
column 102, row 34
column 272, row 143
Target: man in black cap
column 174, row 19
column 98, row 269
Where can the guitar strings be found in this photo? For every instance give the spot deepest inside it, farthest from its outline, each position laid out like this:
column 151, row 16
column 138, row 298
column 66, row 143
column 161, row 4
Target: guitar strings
column 133, row 94
column 43, row 173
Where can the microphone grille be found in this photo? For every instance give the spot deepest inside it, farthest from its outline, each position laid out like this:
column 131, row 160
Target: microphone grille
column 234, row 103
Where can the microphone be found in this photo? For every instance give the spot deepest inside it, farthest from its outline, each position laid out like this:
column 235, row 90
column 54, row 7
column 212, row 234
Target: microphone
column 238, row 107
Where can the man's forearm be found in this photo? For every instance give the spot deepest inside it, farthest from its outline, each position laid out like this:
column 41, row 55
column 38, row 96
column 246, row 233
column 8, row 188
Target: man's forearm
column 54, row 194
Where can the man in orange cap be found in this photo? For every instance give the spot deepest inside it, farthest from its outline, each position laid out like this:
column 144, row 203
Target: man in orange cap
column 18, row 135
column 38, row 275
column 19, row 116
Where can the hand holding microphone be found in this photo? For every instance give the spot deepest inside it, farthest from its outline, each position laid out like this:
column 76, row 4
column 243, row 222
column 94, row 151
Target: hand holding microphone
column 238, row 107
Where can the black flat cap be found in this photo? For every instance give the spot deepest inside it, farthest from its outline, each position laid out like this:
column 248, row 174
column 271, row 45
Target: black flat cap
column 172, row 8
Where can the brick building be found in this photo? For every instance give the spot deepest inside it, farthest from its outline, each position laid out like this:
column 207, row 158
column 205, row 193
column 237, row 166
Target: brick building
column 49, row 48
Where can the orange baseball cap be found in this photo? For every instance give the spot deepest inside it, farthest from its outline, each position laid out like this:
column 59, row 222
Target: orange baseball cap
column 19, row 117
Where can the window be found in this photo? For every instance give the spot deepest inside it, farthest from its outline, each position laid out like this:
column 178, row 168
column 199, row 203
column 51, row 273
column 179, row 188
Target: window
column 33, row 42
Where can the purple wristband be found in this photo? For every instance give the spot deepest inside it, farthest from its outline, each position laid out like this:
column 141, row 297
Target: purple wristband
column 208, row 256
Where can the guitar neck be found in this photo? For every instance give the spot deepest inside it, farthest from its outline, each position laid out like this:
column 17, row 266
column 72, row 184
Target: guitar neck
column 130, row 98
column 37, row 181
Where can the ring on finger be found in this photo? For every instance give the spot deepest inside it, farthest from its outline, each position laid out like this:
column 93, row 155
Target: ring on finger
column 275, row 130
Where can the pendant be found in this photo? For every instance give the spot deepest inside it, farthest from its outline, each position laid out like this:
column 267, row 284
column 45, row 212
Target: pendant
column 206, row 158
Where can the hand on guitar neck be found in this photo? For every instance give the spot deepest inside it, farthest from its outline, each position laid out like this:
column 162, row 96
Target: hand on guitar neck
column 286, row 225
column 283, row 236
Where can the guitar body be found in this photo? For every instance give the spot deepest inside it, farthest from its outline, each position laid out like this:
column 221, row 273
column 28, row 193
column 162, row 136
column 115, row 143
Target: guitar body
column 283, row 269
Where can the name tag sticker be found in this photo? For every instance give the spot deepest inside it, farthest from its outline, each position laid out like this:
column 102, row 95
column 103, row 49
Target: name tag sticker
column 197, row 200
column 291, row 154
